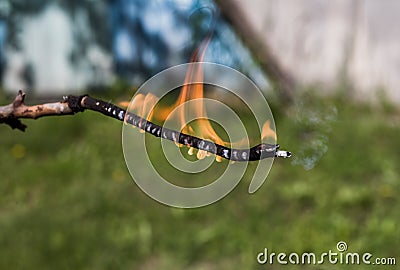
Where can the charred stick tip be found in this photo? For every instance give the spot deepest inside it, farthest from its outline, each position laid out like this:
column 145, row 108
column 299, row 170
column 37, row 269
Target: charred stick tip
column 284, row 154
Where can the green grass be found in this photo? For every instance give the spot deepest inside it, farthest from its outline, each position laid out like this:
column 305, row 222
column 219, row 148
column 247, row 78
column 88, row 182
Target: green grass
column 68, row 202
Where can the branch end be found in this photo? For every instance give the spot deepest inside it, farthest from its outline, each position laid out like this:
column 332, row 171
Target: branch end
column 19, row 99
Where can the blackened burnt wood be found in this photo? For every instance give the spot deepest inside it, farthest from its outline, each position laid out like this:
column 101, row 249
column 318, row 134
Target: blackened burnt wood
column 255, row 153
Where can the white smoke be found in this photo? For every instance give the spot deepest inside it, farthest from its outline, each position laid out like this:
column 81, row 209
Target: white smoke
column 317, row 124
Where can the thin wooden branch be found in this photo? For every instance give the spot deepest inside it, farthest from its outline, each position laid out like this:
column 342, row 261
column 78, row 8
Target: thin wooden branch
column 12, row 113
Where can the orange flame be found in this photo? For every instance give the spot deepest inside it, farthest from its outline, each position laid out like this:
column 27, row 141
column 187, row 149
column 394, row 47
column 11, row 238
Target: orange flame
column 267, row 132
column 142, row 104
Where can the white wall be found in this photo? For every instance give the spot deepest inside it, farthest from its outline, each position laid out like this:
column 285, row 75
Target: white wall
column 318, row 41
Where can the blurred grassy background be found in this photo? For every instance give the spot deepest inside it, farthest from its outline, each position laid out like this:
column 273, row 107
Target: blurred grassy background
column 68, row 202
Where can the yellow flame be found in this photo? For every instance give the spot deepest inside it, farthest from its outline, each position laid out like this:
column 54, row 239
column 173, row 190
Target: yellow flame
column 191, row 151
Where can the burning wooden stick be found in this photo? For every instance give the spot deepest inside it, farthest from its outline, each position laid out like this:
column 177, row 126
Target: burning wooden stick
column 12, row 113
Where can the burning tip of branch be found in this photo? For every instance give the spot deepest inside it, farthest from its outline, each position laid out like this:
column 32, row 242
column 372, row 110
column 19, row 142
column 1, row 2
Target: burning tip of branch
column 284, row 154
